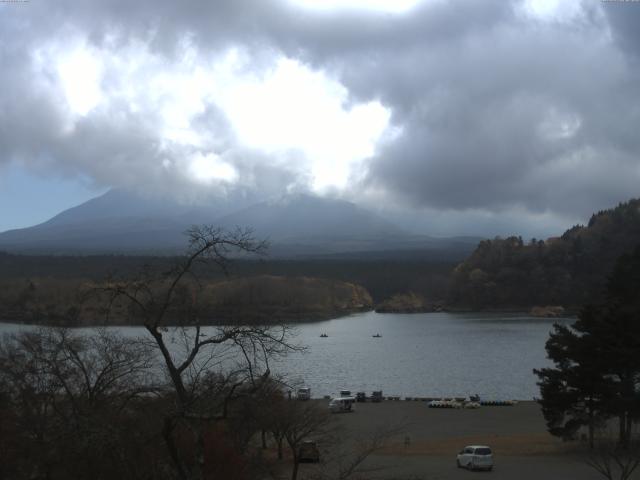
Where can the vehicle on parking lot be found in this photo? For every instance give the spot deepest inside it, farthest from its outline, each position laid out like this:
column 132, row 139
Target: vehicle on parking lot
column 308, row 452
column 341, row 404
column 361, row 397
column 475, row 457
column 304, row 393
column 376, row 396
column 445, row 403
column 345, row 393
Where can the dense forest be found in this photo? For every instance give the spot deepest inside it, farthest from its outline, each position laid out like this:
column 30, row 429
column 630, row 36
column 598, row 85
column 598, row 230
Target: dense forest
column 570, row 270
column 257, row 299
column 49, row 288
column 382, row 277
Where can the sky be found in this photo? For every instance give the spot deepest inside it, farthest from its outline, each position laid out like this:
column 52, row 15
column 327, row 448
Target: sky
column 454, row 117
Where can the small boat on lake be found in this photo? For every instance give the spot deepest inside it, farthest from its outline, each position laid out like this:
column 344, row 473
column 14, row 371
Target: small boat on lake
column 323, row 335
column 377, row 335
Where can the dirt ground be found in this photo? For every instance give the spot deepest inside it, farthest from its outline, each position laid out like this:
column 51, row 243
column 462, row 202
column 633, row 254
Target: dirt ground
column 425, row 447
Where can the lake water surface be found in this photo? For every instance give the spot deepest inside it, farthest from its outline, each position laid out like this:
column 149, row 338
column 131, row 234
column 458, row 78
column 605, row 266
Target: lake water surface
column 430, row 354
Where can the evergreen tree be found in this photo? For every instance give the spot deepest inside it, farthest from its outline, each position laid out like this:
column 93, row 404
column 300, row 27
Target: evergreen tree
column 597, row 361
column 574, row 393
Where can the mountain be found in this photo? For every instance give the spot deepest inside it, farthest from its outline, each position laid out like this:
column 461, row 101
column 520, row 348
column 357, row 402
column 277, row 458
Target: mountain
column 570, row 270
column 295, row 225
column 298, row 217
column 118, row 221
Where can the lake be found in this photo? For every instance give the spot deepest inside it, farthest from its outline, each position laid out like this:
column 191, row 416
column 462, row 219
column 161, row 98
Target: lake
column 429, row 354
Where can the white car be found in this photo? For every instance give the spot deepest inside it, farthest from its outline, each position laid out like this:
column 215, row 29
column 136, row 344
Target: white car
column 475, row 457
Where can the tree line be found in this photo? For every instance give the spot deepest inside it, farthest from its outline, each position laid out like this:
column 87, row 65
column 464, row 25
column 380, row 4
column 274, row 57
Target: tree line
column 382, row 278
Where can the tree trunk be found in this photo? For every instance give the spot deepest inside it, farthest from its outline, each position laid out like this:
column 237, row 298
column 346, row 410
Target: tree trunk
column 591, row 424
column 294, row 472
column 198, row 472
column 622, row 439
column 279, row 440
column 167, row 434
column 264, row 439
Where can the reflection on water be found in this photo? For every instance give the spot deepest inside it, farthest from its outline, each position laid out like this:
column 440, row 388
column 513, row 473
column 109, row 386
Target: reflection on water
column 431, row 354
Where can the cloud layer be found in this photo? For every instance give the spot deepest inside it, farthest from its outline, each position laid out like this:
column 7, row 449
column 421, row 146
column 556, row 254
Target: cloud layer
column 522, row 108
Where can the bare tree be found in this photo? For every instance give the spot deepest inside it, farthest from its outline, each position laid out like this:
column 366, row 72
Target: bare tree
column 215, row 365
column 295, row 422
column 66, row 395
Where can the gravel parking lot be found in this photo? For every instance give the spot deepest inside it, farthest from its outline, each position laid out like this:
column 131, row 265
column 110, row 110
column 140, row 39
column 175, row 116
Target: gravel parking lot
column 429, row 439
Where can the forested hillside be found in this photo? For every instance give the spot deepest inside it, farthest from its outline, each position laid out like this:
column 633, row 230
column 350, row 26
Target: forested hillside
column 382, row 277
column 259, row 299
column 569, row 270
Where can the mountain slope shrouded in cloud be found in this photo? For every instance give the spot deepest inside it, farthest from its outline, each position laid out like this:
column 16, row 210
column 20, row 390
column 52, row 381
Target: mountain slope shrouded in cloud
column 300, row 216
column 297, row 224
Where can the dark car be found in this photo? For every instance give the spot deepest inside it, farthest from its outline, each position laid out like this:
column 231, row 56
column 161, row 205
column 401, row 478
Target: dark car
column 376, row 396
column 361, row 397
column 308, row 452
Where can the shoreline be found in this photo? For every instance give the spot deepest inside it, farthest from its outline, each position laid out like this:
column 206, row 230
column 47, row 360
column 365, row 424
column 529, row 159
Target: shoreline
column 288, row 321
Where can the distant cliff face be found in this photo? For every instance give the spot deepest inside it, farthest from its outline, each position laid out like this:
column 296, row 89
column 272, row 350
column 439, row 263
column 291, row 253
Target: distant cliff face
column 570, row 270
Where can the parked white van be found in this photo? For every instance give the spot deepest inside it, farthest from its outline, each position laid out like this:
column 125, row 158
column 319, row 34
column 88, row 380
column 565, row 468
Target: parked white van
column 341, row 404
column 475, row 457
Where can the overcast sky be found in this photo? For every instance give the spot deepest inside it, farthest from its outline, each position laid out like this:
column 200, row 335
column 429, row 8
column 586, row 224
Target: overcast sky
column 460, row 117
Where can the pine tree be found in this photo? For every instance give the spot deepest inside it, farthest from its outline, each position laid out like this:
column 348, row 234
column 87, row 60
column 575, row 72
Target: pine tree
column 597, row 361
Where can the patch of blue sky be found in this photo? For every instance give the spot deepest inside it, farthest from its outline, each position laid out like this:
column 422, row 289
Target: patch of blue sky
column 28, row 198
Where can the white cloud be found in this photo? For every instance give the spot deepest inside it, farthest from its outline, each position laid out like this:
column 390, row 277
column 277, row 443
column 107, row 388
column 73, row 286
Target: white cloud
column 392, row 6
column 559, row 125
column 80, row 73
column 282, row 110
column 210, row 168
column 561, row 10
column 292, row 107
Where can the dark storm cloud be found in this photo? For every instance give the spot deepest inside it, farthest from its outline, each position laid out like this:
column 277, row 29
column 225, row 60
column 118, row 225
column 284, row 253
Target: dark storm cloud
column 624, row 18
column 514, row 116
column 496, row 110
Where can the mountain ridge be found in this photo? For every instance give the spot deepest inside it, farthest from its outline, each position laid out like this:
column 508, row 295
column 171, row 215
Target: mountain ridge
column 294, row 224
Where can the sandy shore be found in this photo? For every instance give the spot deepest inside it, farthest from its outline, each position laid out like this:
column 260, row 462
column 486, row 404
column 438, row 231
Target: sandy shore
column 430, row 438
